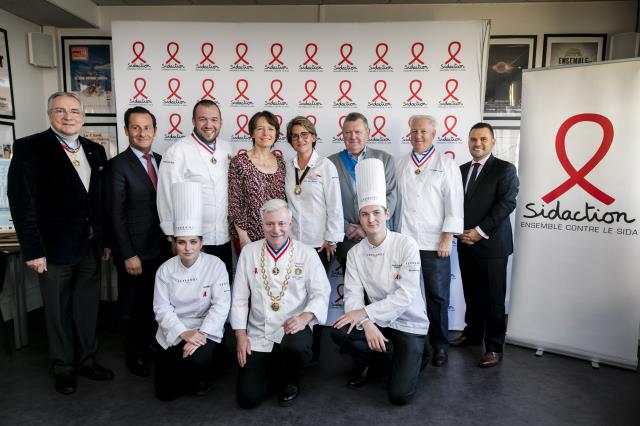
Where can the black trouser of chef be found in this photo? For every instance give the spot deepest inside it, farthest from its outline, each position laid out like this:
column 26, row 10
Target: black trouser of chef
column 404, row 350
column 266, row 372
column 317, row 329
column 176, row 376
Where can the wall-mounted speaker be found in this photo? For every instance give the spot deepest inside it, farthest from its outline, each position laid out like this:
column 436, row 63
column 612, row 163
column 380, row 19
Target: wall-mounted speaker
column 624, row 45
column 42, row 50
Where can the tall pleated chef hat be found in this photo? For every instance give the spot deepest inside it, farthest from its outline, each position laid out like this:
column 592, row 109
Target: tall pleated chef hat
column 187, row 209
column 371, row 185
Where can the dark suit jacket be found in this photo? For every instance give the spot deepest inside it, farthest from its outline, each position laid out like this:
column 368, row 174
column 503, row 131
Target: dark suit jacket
column 131, row 208
column 51, row 209
column 488, row 203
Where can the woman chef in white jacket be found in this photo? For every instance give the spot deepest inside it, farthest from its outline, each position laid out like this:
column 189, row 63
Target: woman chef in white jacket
column 191, row 302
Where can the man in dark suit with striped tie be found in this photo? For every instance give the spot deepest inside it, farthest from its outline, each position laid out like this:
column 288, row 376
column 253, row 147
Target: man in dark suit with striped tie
column 140, row 246
column 491, row 186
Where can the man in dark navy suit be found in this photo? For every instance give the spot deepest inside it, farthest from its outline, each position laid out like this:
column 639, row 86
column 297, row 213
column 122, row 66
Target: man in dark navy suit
column 491, row 186
column 55, row 194
column 140, row 246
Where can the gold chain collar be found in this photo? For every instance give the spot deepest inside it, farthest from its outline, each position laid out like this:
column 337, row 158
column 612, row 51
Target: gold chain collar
column 275, row 300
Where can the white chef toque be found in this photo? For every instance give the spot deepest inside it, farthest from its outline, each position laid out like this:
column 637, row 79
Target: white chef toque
column 187, row 209
column 371, row 185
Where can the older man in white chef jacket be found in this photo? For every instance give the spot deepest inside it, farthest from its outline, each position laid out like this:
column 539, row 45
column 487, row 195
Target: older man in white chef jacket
column 280, row 291
column 385, row 317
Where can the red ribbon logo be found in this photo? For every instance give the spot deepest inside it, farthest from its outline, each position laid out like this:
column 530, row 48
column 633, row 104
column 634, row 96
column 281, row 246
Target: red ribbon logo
column 312, row 119
column 416, row 56
column 274, row 55
column 173, row 92
column 243, row 90
column 206, row 56
column 343, row 92
column 340, row 293
column 174, row 126
column 276, row 91
column 311, row 91
column 408, row 135
column 279, row 118
column 241, row 55
column 207, row 92
column 415, row 91
column 138, row 52
column 139, row 90
column 577, row 177
column 450, row 92
column 242, row 120
column 340, row 124
column 452, row 55
column 381, row 46
column 346, row 56
column 379, row 92
column 310, row 56
column 173, row 55
column 378, row 128
column 450, row 127
column 451, row 154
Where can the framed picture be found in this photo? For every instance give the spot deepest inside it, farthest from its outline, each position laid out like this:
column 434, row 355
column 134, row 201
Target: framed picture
column 507, row 143
column 6, row 87
column 106, row 134
column 87, row 72
column 508, row 56
column 7, row 137
column 573, row 49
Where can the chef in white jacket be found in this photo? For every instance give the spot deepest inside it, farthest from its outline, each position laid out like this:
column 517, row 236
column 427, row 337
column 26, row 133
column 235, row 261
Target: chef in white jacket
column 385, row 311
column 191, row 302
column 280, row 291
column 201, row 157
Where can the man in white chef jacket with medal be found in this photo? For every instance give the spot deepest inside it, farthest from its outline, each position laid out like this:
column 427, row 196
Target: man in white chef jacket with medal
column 385, row 316
column 280, row 291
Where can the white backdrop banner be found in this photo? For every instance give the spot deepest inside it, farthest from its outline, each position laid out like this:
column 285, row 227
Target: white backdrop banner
column 387, row 71
column 575, row 281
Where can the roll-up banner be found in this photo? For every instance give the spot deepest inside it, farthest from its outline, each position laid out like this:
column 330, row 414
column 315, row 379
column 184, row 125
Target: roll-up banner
column 576, row 286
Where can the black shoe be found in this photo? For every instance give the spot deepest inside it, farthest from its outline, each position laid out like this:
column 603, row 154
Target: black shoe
column 65, row 382
column 288, row 394
column 440, row 358
column 203, row 387
column 426, row 357
column 95, row 371
column 464, row 341
column 139, row 367
column 360, row 378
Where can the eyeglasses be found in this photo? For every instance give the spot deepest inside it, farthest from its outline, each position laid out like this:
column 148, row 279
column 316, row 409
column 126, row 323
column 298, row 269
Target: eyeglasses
column 301, row 135
column 61, row 112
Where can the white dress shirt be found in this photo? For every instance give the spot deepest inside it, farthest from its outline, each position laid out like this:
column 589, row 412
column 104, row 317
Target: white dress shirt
column 317, row 211
column 308, row 291
column 187, row 161
column 143, row 160
column 194, row 298
column 431, row 202
column 390, row 276
column 466, row 185
column 84, row 168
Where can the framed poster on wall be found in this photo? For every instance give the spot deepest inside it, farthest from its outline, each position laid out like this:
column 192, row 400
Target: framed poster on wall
column 507, row 143
column 508, row 56
column 105, row 134
column 7, row 137
column 87, row 71
column 573, row 49
column 6, row 87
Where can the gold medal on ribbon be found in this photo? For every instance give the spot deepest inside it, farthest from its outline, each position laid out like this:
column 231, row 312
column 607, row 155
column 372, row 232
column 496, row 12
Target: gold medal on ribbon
column 75, row 162
column 297, row 190
column 275, row 270
column 275, row 306
column 418, row 171
column 213, row 160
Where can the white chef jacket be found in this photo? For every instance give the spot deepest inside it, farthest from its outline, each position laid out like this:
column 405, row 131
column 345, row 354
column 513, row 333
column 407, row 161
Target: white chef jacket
column 431, row 202
column 390, row 276
column 191, row 298
column 317, row 211
column 308, row 291
column 187, row 161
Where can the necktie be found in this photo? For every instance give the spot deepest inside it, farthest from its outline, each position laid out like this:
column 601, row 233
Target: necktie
column 151, row 171
column 474, row 174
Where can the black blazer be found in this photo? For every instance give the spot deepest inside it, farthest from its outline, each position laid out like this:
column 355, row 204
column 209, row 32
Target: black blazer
column 51, row 209
column 131, row 208
column 488, row 203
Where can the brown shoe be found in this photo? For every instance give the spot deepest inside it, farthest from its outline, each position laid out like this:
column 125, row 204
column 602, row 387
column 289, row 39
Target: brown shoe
column 490, row 359
column 463, row 341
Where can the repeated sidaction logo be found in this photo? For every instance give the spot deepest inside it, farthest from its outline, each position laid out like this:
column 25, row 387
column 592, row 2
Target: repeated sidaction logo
column 378, row 135
column 310, row 99
column 449, row 134
column 339, row 137
column 379, row 99
column 380, row 63
column 344, row 99
column 174, row 98
column 415, row 98
column 310, row 63
column 174, row 133
column 276, row 64
column 241, row 63
column 172, row 63
column 345, row 64
column 207, row 90
column 138, row 62
column 450, row 99
column 139, row 97
column 242, row 99
column 206, row 62
column 276, row 98
column 416, row 63
column 453, row 62
column 241, row 133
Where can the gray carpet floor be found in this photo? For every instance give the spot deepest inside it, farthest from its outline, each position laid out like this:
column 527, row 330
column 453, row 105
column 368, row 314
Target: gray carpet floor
column 524, row 390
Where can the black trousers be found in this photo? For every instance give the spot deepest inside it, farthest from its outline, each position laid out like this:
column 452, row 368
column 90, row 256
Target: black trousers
column 70, row 294
column 222, row 252
column 317, row 329
column 135, row 303
column 176, row 376
column 404, row 350
column 484, row 282
column 266, row 372
column 436, row 274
